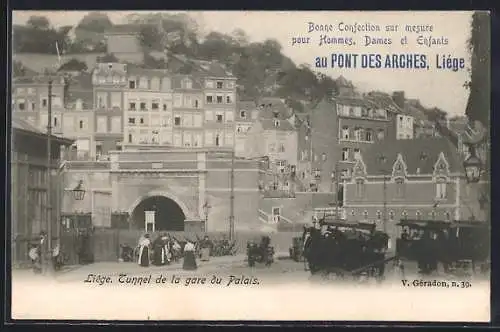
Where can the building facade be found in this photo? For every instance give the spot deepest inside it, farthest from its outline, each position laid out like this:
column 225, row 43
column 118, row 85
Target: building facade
column 414, row 179
column 29, row 186
column 247, row 113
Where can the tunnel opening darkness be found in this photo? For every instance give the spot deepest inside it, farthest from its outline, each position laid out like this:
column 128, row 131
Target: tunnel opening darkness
column 168, row 214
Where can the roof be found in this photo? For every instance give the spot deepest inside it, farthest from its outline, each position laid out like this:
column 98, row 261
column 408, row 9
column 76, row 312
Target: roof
column 115, row 68
column 272, row 106
column 177, row 81
column 420, row 153
column 246, row 105
column 417, row 223
column 19, row 124
column 38, row 79
column 356, row 102
column 205, row 68
column 383, row 101
column 283, row 125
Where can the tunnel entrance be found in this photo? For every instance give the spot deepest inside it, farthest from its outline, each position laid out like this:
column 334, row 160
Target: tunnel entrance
column 168, row 214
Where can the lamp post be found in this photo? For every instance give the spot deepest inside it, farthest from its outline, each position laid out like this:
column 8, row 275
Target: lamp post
column 206, row 210
column 382, row 161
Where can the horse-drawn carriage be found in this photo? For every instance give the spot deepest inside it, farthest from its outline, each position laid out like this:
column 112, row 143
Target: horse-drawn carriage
column 459, row 245
column 345, row 249
column 260, row 253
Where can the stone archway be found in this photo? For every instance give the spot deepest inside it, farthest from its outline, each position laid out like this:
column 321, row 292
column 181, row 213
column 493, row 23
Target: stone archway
column 171, row 213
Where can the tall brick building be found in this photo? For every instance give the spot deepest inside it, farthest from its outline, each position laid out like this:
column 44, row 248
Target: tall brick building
column 424, row 179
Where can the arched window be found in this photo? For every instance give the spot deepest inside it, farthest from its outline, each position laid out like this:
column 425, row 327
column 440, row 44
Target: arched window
column 405, row 215
column 400, row 187
column 441, row 188
column 365, row 214
column 360, row 187
column 391, row 215
column 418, row 215
column 353, row 213
column 379, row 215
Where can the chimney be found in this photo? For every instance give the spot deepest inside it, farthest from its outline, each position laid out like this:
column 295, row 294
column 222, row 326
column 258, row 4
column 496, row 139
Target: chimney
column 399, row 98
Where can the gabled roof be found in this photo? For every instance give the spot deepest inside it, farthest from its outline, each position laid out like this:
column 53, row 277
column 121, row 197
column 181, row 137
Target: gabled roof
column 205, row 68
column 420, row 153
column 271, row 106
column 383, row 101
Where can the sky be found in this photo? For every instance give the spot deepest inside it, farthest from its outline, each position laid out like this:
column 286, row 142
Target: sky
column 440, row 88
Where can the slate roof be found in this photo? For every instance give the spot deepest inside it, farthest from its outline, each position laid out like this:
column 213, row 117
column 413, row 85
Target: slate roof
column 419, row 153
column 271, row 106
column 24, row 126
column 205, row 68
column 383, row 101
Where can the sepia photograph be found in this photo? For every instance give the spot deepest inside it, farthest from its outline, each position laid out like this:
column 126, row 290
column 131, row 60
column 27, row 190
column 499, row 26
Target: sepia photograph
column 250, row 165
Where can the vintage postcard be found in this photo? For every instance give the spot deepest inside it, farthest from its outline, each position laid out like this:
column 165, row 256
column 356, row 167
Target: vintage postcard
column 251, row 165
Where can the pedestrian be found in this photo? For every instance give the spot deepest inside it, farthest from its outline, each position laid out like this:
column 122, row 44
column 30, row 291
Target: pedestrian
column 206, row 247
column 144, row 247
column 35, row 256
column 158, row 251
column 189, row 256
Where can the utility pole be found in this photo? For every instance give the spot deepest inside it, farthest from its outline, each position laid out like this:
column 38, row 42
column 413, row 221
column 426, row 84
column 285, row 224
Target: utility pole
column 385, row 204
column 231, row 198
column 48, row 255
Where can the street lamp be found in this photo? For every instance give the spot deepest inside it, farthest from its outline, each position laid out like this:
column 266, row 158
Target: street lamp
column 206, row 209
column 473, row 166
column 79, row 191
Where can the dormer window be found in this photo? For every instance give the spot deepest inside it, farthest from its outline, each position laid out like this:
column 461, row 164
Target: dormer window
column 243, row 114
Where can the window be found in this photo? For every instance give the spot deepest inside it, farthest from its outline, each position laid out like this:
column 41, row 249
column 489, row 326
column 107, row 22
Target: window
column 55, row 122
column 219, row 99
column 131, row 121
column 230, row 85
column 155, row 84
column 364, row 112
column 380, row 134
column 165, row 121
column 400, row 188
column 229, row 100
column 177, row 100
column 358, row 134
column 229, row 116
column 209, row 138
column 357, row 153
column 21, row 105
column 210, row 99
column 143, row 106
column 351, row 111
column 187, row 120
column 155, row 137
column 187, row 139
column 441, row 189
column 33, row 106
column 177, row 120
column 369, row 136
column 102, row 124
column 102, row 98
column 238, row 130
column 196, row 103
column 131, row 84
column 243, row 114
column 116, row 124
column 116, row 99
column 155, row 106
column 229, row 139
column 400, row 122
column 197, row 140
column 323, row 156
column 448, row 215
column 209, row 84
column 365, row 214
column 404, row 215
column 391, row 215
column 131, row 106
column 281, row 147
column 218, row 140
column 345, row 132
column 276, row 123
column 165, row 84
column 165, row 107
column 130, row 138
column 187, row 84
column 141, row 120
column 418, row 215
column 219, row 118
column 143, row 83
column 188, row 102
column 345, row 154
column 209, row 115
column 379, row 215
column 220, row 85
column 360, row 188
column 81, row 124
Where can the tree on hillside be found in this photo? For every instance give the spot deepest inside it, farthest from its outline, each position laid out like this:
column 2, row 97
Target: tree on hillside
column 38, row 22
column 478, row 104
column 95, row 21
column 74, row 65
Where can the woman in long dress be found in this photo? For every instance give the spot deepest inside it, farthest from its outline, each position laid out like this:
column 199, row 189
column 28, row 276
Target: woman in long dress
column 158, row 251
column 144, row 251
column 206, row 246
column 189, row 257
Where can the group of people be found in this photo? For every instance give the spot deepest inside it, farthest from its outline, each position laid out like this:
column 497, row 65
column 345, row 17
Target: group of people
column 164, row 248
column 36, row 252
